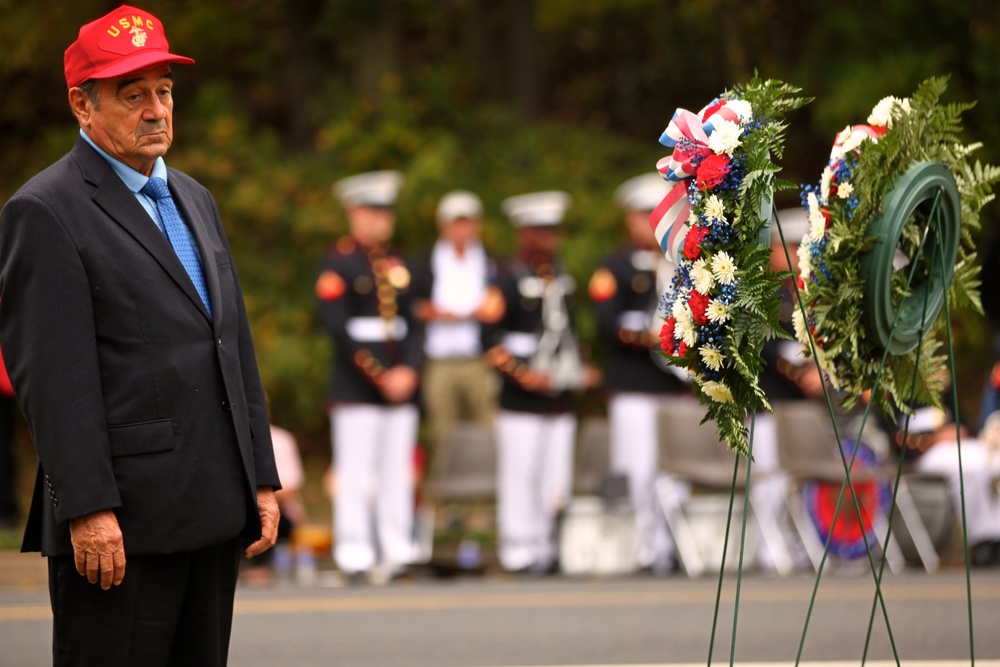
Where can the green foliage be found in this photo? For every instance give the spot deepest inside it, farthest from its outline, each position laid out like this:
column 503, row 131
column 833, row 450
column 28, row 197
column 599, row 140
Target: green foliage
column 288, row 96
column 722, row 349
column 921, row 129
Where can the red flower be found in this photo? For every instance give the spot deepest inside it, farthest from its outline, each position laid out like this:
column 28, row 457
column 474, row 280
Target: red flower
column 712, row 109
column 692, row 242
column 698, row 303
column 801, row 283
column 712, row 171
column 667, row 342
column 682, row 349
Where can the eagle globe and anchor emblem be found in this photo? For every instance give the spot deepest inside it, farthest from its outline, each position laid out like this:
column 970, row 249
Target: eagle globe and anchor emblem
column 138, row 36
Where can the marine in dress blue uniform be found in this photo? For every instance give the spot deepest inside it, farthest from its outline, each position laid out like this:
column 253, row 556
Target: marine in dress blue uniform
column 624, row 293
column 534, row 348
column 363, row 292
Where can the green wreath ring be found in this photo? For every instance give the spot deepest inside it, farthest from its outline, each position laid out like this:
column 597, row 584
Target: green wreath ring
column 901, row 184
column 931, row 188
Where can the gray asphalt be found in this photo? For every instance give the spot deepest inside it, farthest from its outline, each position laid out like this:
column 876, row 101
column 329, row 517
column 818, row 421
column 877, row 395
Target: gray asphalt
column 501, row 621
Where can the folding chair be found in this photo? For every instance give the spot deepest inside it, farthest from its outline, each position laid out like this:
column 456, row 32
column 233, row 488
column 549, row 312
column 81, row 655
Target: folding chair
column 592, row 460
column 469, row 471
column 807, row 450
column 691, row 453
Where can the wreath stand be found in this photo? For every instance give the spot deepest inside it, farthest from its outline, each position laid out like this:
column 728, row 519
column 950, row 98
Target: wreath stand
column 927, row 190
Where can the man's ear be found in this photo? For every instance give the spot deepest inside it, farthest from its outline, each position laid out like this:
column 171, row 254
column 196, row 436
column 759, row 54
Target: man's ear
column 79, row 102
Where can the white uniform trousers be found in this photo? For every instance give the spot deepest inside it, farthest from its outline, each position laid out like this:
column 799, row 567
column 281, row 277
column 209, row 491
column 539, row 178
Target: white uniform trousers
column 632, row 421
column 980, row 466
column 373, row 496
column 535, row 477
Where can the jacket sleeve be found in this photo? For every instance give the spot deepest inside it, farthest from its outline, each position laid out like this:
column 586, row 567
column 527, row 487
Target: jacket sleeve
column 48, row 335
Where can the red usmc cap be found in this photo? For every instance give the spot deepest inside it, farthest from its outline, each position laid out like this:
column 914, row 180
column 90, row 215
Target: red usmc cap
column 126, row 40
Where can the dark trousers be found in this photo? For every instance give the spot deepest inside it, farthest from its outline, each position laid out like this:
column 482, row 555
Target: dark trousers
column 169, row 611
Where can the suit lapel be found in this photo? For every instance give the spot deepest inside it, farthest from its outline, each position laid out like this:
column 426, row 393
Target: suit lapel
column 112, row 195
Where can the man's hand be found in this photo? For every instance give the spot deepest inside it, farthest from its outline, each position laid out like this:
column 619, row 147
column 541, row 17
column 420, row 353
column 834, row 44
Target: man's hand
column 98, row 548
column 398, row 384
column 267, row 505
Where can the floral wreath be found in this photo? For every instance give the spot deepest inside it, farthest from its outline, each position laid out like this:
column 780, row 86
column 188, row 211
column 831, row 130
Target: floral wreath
column 723, row 304
column 851, row 201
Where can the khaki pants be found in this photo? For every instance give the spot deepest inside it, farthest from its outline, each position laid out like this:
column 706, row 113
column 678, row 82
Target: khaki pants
column 455, row 390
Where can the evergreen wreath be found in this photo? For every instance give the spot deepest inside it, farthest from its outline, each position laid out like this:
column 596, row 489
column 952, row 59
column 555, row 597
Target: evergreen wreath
column 847, row 211
column 723, row 304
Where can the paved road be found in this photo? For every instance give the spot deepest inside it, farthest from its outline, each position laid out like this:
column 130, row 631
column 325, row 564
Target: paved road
column 498, row 621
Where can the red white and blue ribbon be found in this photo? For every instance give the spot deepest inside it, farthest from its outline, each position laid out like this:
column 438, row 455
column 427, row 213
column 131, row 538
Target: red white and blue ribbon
column 688, row 135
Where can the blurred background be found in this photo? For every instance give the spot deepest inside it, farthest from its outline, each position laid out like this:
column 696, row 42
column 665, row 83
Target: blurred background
column 500, row 97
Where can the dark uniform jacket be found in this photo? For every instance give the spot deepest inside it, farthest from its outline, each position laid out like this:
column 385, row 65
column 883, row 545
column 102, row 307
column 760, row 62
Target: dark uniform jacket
column 624, row 295
column 136, row 398
column 523, row 322
column 364, row 304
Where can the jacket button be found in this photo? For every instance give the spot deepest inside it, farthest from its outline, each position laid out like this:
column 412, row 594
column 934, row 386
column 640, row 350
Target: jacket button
column 225, row 406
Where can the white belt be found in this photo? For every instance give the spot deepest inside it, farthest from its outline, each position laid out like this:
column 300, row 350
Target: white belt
column 521, row 344
column 634, row 320
column 376, row 329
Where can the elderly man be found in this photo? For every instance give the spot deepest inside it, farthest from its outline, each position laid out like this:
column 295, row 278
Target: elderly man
column 129, row 350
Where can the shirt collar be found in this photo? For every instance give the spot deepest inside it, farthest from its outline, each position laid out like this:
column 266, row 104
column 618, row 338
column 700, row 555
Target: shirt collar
column 133, row 180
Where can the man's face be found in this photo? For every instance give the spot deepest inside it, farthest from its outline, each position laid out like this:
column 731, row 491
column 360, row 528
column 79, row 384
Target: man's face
column 544, row 240
column 461, row 232
column 133, row 117
column 371, row 225
column 639, row 231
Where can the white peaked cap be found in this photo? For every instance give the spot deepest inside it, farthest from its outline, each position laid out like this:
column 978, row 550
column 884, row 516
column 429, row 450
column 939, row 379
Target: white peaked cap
column 536, row 209
column 642, row 193
column 794, row 225
column 373, row 188
column 459, row 204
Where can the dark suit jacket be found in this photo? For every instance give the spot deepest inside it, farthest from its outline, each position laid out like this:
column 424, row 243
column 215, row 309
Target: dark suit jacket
column 136, row 399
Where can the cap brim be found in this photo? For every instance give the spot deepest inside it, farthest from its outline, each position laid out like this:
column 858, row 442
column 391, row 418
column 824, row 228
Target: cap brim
column 137, row 62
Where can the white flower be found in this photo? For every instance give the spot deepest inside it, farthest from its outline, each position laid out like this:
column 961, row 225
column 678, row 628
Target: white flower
column 855, row 140
column 742, row 108
column 692, row 218
column 725, row 138
column 844, row 190
column 799, row 324
column 715, row 209
column 712, row 357
column 881, row 115
column 718, row 392
column 717, row 312
column 817, row 223
column 702, row 276
column 685, row 329
column 843, row 135
column 680, row 308
column 723, row 268
column 805, row 257
column 824, row 184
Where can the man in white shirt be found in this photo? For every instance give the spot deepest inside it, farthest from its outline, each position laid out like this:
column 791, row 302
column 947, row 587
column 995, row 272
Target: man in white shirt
column 450, row 290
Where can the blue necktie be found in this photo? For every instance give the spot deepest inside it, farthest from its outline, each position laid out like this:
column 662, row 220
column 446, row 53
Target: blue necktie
column 156, row 189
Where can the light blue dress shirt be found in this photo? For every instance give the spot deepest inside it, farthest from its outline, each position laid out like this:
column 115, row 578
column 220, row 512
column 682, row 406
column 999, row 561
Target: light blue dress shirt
column 135, row 182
